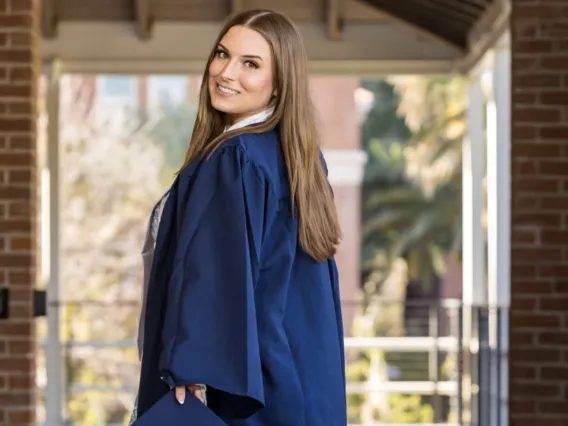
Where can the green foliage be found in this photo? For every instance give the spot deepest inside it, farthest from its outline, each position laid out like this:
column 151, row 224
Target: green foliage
column 409, row 409
column 411, row 220
column 383, row 407
column 171, row 126
column 382, row 120
column 408, row 213
column 357, row 371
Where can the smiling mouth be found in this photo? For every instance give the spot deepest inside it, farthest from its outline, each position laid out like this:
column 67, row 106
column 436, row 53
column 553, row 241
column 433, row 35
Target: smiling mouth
column 226, row 90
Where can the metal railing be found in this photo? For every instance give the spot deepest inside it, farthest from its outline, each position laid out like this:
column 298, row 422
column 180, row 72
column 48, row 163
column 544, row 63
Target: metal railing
column 424, row 354
column 445, row 354
column 484, row 368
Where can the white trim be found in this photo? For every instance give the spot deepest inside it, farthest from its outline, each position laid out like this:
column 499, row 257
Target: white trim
column 403, row 344
column 473, row 268
column 404, row 424
column 498, row 184
column 499, row 224
column 346, row 167
column 382, row 68
column 446, row 388
column 55, row 389
column 473, row 243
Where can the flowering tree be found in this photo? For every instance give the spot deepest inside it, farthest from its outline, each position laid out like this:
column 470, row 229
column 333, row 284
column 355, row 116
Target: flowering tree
column 113, row 171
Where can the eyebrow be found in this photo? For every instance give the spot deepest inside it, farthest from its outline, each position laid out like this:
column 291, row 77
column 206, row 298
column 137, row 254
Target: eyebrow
column 244, row 56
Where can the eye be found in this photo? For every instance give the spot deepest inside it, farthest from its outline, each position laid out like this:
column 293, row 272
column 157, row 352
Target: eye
column 221, row 54
column 251, row 64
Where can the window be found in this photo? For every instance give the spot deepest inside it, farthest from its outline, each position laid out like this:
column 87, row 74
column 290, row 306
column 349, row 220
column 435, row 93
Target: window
column 117, row 89
column 167, row 89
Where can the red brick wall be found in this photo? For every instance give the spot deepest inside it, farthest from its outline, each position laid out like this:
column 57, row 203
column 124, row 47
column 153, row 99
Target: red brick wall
column 539, row 254
column 18, row 185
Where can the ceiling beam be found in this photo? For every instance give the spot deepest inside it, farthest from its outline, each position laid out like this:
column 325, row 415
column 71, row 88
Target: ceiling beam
column 117, row 41
column 143, row 19
column 334, row 19
column 491, row 27
column 237, row 6
column 349, row 67
column 48, row 19
column 493, row 14
column 207, row 10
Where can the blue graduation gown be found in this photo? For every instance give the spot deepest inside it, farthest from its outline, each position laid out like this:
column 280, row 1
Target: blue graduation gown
column 236, row 304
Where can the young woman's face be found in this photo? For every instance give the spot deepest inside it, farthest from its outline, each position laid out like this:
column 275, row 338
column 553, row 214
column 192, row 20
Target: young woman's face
column 240, row 75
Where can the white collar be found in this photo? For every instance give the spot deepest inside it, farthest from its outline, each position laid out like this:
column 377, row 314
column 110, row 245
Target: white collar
column 257, row 118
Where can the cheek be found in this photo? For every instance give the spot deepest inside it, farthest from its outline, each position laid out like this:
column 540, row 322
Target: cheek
column 214, row 68
column 260, row 83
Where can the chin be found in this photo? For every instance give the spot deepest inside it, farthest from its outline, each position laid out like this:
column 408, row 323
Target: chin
column 222, row 107
column 216, row 103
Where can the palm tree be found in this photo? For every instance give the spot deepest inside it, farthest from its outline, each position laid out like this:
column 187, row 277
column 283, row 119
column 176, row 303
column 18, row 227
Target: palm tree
column 412, row 190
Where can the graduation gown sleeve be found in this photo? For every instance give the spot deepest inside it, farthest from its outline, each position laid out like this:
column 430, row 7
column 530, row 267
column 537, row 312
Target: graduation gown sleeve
column 210, row 333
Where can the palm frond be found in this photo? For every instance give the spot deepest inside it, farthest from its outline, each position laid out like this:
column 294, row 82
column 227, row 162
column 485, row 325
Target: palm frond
column 386, row 220
column 407, row 196
column 434, row 128
column 419, row 229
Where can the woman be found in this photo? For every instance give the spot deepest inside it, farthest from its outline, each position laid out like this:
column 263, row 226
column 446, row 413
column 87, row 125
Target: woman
column 243, row 294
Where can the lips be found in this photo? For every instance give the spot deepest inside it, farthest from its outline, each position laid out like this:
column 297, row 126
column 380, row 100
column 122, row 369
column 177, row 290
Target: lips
column 226, row 90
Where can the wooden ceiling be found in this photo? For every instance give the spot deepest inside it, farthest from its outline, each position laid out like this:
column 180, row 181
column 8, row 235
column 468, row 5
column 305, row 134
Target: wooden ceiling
column 450, row 20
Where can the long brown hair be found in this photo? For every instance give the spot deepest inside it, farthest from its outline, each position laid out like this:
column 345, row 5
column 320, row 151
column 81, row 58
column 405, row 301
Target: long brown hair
column 319, row 231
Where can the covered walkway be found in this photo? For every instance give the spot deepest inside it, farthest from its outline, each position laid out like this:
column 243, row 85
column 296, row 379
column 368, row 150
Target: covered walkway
column 515, row 278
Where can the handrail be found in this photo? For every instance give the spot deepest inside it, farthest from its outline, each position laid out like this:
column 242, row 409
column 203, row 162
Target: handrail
column 415, row 387
column 403, row 344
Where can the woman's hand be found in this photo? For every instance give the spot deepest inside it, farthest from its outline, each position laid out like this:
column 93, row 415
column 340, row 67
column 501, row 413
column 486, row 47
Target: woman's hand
column 194, row 389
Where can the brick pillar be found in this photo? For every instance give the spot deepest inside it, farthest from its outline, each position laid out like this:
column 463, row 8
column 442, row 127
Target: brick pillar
column 539, row 216
column 18, row 189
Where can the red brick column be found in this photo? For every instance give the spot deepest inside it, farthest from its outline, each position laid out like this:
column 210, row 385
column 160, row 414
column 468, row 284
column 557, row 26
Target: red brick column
column 18, row 189
column 539, row 216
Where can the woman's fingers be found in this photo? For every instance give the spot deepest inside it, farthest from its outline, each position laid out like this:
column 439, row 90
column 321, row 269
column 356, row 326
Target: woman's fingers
column 180, row 394
column 194, row 389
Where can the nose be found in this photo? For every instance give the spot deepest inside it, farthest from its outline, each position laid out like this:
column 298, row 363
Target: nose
column 229, row 71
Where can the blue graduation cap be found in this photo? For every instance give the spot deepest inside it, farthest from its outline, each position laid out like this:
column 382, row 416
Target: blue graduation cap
column 168, row 412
